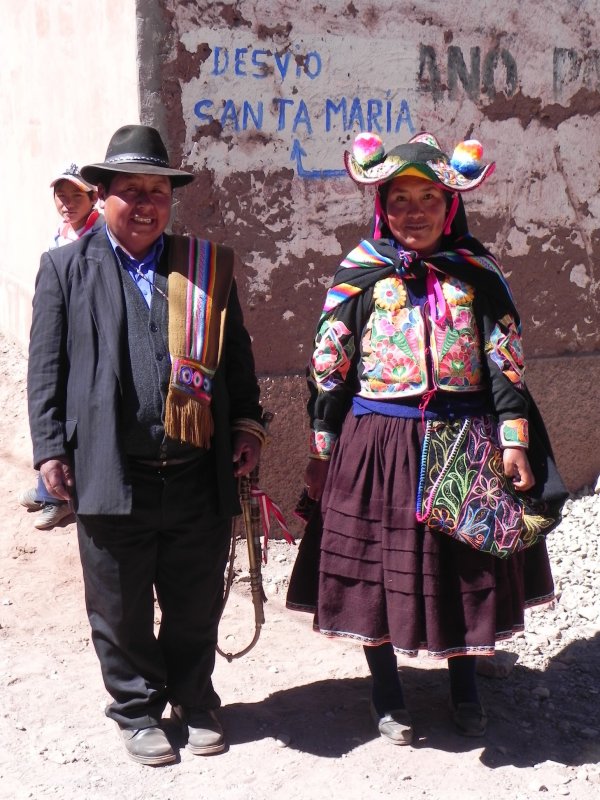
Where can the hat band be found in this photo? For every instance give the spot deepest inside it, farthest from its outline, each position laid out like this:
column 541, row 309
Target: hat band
column 127, row 158
column 414, row 172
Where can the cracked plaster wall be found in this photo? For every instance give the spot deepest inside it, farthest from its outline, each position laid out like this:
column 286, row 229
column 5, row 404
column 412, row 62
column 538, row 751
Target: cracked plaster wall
column 260, row 99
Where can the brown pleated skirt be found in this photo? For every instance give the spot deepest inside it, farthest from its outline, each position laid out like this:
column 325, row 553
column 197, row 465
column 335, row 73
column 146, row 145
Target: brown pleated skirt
column 370, row 572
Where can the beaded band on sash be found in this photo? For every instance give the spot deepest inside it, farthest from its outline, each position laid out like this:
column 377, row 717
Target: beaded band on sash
column 200, row 278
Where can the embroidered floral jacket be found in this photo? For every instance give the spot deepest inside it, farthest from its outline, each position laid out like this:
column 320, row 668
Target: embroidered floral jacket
column 373, row 341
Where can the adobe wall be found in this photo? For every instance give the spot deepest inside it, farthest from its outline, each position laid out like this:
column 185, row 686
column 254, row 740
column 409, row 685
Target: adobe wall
column 69, row 78
column 262, row 108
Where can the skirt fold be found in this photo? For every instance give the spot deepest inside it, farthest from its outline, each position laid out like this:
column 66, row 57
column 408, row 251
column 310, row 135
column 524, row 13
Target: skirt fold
column 372, row 573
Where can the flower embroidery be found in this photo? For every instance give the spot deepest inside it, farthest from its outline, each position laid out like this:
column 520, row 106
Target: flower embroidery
column 322, row 443
column 506, row 349
column 457, row 293
column 389, row 294
column 463, row 319
column 333, row 354
column 514, row 433
column 488, row 489
column 459, row 366
column 457, row 348
column 391, row 352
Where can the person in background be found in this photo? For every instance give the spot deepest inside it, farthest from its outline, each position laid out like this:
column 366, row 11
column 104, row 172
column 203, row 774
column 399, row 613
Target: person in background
column 144, row 410
column 75, row 200
column 419, row 325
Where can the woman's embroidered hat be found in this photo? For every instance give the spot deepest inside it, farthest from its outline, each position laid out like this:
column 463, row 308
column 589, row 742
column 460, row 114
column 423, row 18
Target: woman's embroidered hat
column 422, row 156
column 138, row 149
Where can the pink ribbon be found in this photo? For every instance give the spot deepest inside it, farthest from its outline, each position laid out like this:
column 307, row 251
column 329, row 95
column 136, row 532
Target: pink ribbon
column 379, row 217
column 435, row 297
column 451, row 214
column 269, row 508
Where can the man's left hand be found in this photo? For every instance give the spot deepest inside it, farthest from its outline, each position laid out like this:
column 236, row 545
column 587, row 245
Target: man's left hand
column 246, row 452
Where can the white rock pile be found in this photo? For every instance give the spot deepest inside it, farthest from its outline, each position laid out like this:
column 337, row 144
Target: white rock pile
column 574, row 548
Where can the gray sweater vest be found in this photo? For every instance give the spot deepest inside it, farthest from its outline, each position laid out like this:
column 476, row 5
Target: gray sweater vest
column 147, row 375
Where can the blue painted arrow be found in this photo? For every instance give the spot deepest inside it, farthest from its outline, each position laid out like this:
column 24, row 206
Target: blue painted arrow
column 296, row 155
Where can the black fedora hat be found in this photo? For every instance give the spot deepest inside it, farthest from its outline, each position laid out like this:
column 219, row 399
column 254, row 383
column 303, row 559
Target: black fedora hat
column 138, row 149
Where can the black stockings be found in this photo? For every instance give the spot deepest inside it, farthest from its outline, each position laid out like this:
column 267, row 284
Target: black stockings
column 387, row 690
column 463, row 684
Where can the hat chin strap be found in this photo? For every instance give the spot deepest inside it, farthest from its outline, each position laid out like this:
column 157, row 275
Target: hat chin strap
column 451, row 214
column 379, row 217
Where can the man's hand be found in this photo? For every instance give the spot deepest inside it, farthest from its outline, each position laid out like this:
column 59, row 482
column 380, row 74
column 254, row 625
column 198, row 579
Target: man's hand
column 246, row 452
column 58, row 477
column 517, row 468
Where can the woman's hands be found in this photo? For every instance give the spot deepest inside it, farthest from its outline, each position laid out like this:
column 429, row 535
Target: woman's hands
column 517, row 468
column 315, row 476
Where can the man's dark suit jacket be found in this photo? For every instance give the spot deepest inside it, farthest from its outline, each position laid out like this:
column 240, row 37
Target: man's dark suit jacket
column 77, row 356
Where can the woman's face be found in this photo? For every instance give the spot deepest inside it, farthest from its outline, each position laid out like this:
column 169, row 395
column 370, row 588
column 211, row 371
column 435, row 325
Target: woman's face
column 416, row 212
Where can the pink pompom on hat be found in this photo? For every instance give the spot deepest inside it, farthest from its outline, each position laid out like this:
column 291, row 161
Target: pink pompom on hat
column 369, row 164
column 368, row 149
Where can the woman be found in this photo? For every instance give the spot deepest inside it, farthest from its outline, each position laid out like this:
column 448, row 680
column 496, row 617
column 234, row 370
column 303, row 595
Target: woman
column 419, row 324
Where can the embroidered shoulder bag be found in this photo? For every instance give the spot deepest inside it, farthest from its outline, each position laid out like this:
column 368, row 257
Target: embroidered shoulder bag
column 464, row 493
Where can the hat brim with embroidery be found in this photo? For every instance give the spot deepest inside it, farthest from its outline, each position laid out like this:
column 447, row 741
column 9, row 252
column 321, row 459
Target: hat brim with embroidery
column 369, row 164
column 136, row 149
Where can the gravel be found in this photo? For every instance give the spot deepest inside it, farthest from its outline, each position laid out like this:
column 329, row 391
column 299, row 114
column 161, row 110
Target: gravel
column 574, row 549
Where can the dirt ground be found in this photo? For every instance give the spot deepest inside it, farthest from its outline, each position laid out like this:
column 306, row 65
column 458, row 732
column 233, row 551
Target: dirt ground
column 295, row 709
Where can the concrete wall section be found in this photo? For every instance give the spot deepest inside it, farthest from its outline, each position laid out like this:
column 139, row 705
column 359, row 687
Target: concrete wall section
column 69, row 78
column 261, row 99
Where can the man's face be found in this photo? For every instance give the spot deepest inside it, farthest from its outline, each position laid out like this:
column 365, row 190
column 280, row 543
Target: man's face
column 72, row 203
column 137, row 210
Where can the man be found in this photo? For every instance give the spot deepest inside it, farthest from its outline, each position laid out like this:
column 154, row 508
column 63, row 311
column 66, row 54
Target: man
column 143, row 405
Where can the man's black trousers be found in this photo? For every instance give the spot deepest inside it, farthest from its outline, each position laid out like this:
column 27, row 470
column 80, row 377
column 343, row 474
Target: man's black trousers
column 175, row 545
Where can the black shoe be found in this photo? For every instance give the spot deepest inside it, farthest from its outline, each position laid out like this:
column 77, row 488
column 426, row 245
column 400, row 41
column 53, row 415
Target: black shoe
column 469, row 719
column 148, row 746
column 202, row 730
column 395, row 726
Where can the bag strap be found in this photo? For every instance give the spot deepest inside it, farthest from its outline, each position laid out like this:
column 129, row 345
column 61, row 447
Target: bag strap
column 423, row 516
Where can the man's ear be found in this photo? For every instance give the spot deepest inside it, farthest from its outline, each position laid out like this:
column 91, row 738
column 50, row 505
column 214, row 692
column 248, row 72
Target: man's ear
column 101, row 191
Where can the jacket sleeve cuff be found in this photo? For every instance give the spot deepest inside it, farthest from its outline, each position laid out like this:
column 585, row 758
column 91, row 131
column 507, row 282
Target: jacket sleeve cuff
column 250, row 426
column 322, row 444
column 514, row 433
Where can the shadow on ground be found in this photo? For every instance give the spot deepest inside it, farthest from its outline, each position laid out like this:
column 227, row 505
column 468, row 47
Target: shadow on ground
column 330, row 718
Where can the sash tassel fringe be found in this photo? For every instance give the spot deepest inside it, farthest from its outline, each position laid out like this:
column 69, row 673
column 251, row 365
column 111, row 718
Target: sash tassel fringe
column 187, row 420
